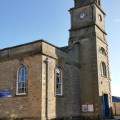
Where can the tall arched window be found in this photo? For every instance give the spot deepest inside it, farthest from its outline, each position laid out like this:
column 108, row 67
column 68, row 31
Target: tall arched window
column 103, row 69
column 58, row 73
column 21, row 80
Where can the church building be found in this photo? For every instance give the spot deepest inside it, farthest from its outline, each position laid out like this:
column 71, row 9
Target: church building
column 39, row 81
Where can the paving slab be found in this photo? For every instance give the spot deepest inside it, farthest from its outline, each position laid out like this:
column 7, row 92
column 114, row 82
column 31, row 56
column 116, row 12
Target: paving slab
column 117, row 117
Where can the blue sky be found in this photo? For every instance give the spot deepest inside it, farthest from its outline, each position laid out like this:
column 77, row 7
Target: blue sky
column 22, row 21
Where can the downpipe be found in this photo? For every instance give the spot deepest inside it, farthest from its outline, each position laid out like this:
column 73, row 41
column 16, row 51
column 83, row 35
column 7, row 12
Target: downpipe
column 46, row 94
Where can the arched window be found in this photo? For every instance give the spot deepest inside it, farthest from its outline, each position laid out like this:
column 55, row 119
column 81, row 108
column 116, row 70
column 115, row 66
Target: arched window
column 58, row 73
column 100, row 17
column 21, row 80
column 103, row 69
column 103, row 50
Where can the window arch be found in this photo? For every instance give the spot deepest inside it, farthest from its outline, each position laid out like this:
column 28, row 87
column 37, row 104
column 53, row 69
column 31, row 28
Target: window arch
column 103, row 51
column 21, row 80
column 58, row 74
column 103, row 69
column 100, row 17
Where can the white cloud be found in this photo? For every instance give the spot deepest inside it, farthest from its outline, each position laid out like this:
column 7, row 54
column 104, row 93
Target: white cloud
column 115, row 90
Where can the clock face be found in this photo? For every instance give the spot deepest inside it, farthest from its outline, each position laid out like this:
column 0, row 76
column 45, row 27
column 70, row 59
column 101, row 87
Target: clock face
column 82, row 15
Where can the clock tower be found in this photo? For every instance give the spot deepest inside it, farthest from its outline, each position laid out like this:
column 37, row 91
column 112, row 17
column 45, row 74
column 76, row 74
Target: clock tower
column 88, row 41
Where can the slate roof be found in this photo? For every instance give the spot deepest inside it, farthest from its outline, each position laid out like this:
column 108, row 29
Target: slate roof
column 115, row 99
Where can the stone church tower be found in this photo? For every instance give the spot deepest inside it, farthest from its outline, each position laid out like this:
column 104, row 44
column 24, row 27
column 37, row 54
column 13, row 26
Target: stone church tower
column 88, row 41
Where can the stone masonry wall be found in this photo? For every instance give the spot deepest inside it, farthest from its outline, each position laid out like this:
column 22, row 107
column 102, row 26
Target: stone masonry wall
column 21, row 106
column 69, row 103
column 104, row 81
column 51, row 98
column 66, row 105
column 116, row 108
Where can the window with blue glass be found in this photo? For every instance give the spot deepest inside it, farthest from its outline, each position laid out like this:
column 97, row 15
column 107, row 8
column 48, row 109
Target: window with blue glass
column 21, row 80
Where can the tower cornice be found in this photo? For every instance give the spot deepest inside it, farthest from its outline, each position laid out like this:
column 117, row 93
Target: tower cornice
column 87, row 5
column 92, row 24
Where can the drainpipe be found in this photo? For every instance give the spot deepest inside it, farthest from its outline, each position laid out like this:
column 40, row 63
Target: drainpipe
column 46, row 94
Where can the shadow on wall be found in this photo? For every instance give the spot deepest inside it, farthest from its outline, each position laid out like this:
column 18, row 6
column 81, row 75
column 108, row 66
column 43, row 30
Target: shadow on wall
column 67, row 102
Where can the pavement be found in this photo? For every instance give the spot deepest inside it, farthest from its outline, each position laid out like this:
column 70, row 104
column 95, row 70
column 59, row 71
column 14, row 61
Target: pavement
column 116, row 118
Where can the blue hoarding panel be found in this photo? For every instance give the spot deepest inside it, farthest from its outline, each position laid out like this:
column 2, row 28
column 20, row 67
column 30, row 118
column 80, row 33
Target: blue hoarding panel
column 5, row 93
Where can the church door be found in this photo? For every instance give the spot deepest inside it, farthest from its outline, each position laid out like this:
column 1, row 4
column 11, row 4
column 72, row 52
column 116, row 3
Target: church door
column 105, row 104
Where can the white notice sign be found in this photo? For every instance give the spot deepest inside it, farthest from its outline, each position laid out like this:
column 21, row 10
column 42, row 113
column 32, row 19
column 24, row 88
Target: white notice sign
column 87, row 108
column 90, row 108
